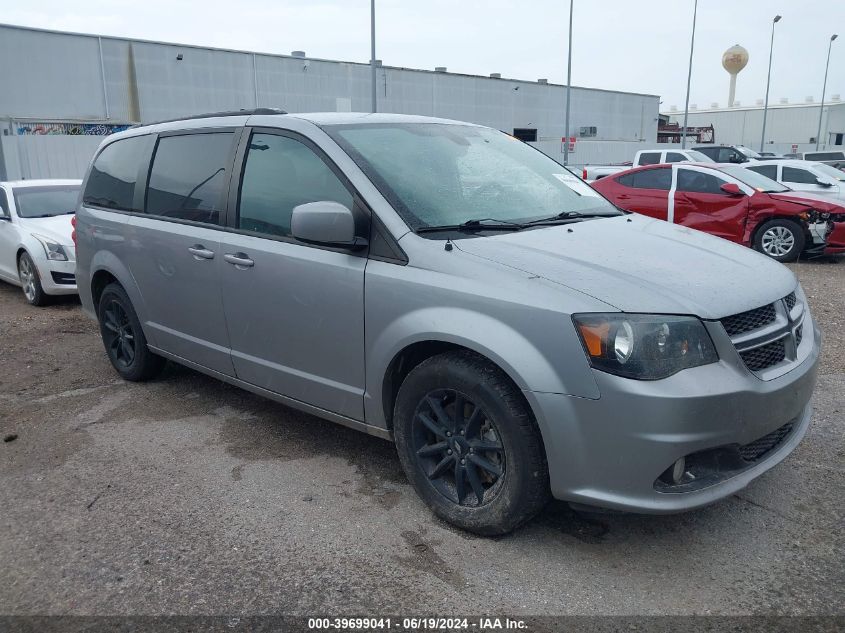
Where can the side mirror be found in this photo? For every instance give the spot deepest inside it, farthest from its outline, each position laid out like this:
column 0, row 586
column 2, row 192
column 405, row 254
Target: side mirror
column 325, row 223
column 823, row 182
column 732, row 189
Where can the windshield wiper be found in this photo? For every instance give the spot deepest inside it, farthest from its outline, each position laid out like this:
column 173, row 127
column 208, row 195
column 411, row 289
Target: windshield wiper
column 482, row 224
column 567, row 216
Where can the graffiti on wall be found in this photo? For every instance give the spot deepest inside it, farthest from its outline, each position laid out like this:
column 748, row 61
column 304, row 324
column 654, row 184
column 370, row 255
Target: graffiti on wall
column 68, row 129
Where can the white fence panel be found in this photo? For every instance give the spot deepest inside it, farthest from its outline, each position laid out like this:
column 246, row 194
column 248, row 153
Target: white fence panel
column 47, row 156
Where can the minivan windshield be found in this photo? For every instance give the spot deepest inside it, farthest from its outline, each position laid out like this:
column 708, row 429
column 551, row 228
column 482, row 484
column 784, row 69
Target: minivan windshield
column 754, row 179
column 830, row 172
column 439, row 175
column 44, row 202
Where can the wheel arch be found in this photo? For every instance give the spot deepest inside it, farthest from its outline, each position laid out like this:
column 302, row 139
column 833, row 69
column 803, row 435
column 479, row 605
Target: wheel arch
column 105, row 268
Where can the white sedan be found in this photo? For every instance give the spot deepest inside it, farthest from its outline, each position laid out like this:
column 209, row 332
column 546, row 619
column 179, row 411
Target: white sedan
column 803, row 175
column 36, row 244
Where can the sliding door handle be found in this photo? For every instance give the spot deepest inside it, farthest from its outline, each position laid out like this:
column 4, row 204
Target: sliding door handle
column 240, row 260
column 200, row 252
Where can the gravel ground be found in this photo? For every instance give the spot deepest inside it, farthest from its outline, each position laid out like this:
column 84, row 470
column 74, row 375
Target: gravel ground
column 187, row 496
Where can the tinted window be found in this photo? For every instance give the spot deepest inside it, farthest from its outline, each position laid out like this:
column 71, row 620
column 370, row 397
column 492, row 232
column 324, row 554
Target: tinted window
column 280, row 174
column 824, row 156
column 675, row 157
column 4, row 204
column 649, row 158
column 45, row 202
column 111, row 183
column 626, row 181
column 769, row 171
column 660, row 178
column 791, row 174
column 728, row 155
column 699, row 182
column 711, row 152
column 188, row 175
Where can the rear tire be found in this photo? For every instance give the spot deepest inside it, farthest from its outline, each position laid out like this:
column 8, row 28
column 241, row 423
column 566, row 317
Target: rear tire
column 782, row 240
column 31, row 281
column 469, row 445
column 123, row 337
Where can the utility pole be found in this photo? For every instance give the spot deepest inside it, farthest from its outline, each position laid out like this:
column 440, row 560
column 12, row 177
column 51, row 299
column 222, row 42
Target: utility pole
column 824, row 88
column 689, row 77
column 768, row 82
column 373, row 52
column 568, row 90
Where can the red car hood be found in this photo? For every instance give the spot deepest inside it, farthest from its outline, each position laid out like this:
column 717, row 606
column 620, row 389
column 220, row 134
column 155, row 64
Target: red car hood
column 815, row 201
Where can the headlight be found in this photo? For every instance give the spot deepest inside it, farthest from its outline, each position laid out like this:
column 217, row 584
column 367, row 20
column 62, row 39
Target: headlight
column 644, row 346
column 53, row 249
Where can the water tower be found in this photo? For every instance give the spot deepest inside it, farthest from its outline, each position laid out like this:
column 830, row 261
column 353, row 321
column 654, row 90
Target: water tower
column 734, row 60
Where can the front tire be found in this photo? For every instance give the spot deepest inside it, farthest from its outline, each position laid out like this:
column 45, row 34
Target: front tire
column 31, row 281
column 123, row 337
column 782, row 240
column 469, row 445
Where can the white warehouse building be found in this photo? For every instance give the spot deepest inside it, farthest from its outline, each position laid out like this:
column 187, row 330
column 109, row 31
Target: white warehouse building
column 789, row 126
column 63, row 90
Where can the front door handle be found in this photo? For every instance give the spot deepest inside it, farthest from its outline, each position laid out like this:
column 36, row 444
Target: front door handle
column 200, row 252
column 240, row 260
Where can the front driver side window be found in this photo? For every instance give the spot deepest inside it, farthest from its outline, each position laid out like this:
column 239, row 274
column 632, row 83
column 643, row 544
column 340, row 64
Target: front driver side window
column 698, row 182
column 280, row 174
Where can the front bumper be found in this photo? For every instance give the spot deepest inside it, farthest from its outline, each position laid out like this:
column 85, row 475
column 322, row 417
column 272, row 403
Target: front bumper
column 57, row 278
column 611, row 452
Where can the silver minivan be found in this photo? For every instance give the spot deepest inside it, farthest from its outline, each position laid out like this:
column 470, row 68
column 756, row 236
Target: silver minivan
column 449, row 287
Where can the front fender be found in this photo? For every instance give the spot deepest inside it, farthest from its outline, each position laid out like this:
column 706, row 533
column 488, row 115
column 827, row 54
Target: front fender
column 520, row 358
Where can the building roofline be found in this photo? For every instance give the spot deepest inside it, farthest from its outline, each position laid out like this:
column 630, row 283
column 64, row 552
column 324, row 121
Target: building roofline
column 316, row 59
column 774, row 106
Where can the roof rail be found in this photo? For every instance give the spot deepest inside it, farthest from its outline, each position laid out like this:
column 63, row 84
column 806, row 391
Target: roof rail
column 209, row 115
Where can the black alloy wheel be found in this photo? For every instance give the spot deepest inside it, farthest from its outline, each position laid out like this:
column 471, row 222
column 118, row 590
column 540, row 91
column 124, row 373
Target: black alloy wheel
column 458, row 447
column 118, row 335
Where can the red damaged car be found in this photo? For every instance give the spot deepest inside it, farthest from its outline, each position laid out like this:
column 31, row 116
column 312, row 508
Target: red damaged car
column 728, row 201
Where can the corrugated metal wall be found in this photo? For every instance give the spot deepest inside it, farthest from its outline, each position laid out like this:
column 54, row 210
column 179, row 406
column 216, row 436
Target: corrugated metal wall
column 784, row 125
column 26, row 157
column 52, row 75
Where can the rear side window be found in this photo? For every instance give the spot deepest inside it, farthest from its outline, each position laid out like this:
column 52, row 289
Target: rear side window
column 824, row 156
column 280, row 174
column 675, row 157
column 4, row 204
column 649, row 158
column 791, row 174
column 188, row 175
column 711, row 152
column 769, row 171
column 114, row 174
column 699, row 182
column 653, row 179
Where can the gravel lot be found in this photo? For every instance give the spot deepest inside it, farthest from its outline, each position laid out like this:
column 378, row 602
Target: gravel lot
column 187, row 496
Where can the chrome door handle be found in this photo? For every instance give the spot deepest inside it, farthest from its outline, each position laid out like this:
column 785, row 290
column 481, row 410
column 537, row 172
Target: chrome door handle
column 200, row 252
column 241, row 260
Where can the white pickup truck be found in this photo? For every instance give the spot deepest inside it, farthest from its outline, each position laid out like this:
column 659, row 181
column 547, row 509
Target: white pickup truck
column 645, row 157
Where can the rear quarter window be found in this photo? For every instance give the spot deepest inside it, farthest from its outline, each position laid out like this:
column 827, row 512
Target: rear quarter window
column 114, row 174
column 660, row 178
column 188, row 176
column 769, row 171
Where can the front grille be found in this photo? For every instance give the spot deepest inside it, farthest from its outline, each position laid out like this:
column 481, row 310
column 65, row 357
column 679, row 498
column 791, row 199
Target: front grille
column 790, row 301
column 799, row 334
column 764, row 356
column 747, row 321
column 758, row 448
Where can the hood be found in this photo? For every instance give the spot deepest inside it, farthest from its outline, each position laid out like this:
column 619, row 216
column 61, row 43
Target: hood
column 817, row 201
column 638, row 264
column 56, row 228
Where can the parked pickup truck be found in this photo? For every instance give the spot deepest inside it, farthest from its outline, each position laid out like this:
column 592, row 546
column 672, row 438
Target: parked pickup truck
column 644, row 157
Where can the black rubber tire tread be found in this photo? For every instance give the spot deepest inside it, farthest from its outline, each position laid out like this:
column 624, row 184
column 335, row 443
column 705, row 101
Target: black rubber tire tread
column 526, row 486
column 146, row 365
column 41, row 298
column 794, row 227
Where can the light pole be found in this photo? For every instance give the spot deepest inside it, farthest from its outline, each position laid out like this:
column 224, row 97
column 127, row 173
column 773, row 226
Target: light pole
column 824, row 87
column 689, row 76
column 768, row 81
column 568, row 90
column 373, row 52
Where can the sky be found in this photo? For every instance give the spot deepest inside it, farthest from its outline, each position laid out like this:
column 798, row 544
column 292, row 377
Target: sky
column 628, row 45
